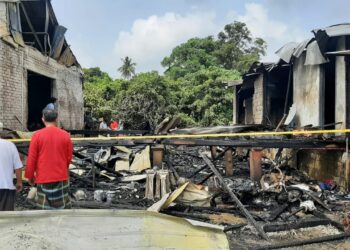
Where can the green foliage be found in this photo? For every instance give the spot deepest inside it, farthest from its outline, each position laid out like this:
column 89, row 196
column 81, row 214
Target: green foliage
column 194, row 86
column 195, row 54
column 205, row 97
column 235, row 48
column 99, row 96
column 203, row 66
column 147, row 101
column 141, row 102
column 95, row 75
column 238, row 49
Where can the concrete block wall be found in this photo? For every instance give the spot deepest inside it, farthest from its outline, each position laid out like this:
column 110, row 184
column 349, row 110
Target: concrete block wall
column 14, row 63
column 258, row 100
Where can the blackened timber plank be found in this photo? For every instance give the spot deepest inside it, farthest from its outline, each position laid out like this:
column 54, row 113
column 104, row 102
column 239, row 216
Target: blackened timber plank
column 261, row 143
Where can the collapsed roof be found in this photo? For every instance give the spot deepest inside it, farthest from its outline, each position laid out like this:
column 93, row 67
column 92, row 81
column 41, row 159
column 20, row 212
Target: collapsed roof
column 315, row 47
column 33, row 23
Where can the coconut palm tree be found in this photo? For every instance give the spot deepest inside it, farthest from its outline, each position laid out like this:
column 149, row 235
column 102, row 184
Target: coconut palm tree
column 128, row 68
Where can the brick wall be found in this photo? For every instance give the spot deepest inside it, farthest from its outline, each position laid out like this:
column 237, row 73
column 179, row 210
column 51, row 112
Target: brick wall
column 14, row 63
column 12, row 89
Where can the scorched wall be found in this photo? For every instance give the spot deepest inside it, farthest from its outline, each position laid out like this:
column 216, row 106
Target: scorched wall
column 67, row 82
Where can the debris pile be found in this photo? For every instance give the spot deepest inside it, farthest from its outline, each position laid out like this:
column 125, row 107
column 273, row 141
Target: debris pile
column 190, row 182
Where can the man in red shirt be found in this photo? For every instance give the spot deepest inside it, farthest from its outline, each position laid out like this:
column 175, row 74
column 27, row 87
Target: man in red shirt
column 114, row 125
column 50, row 153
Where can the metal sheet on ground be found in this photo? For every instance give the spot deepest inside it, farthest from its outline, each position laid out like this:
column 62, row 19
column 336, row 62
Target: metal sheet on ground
column 104, row 229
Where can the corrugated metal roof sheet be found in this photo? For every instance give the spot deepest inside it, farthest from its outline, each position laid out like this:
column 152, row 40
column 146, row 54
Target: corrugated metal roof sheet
column 286, row 52
column 342, row 29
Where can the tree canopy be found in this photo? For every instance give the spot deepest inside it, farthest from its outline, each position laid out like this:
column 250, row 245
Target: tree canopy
column 193, row 87
column 234, row 49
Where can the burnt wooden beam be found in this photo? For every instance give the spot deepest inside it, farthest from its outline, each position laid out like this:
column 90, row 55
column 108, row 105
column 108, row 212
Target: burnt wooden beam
column 31, row 33
column 252, row 143
column 296, row 243
column 31, row 27
column 235, row 199
column 262, row 143
column 205, row 179
column 47, row 20
column 97, row 143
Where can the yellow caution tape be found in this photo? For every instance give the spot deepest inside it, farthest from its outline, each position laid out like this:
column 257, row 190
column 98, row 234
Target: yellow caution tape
column 304, row 132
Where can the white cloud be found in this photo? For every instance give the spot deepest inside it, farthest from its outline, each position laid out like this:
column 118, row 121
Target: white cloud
column 81, row 48
column 274, row 32
column 151, row 39
column 256, row 18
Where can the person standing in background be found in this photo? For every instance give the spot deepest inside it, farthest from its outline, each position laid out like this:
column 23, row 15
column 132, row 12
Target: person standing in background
column 52, row 103
column 50, row 153
column 114, row 125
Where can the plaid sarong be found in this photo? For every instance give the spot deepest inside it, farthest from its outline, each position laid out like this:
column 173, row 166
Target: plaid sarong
column 53, row 195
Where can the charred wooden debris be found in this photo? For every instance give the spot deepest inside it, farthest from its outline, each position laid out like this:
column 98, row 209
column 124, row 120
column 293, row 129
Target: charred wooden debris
column 258, row 199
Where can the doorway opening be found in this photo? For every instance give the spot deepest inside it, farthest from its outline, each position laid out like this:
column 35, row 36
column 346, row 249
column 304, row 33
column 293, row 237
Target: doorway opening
column 40, row 91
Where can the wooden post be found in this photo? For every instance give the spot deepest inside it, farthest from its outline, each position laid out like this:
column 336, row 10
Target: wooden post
column 149, row 194
column 158, row 154
column 255, row 156
column 228, row 162
column 213, row 150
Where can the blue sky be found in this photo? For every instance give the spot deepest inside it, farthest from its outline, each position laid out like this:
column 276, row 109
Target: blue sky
column 101, row 32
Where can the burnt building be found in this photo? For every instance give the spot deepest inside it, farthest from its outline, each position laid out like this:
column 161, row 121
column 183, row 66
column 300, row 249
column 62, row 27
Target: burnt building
column 260, row 99
column 36, row 64
column 311, row 76
column 307, row 87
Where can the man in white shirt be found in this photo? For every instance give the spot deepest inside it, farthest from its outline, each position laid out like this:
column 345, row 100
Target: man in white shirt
column 9, row 163
column 103, row 124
